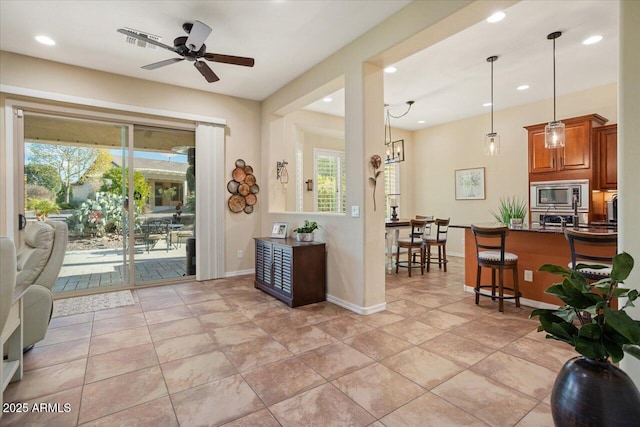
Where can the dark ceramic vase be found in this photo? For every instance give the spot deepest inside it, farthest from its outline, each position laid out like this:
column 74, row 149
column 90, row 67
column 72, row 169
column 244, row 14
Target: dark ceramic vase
column 592, row 393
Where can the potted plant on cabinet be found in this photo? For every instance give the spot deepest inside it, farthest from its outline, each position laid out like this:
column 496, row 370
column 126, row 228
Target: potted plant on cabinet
column 590, row 390
column 305, row 233
column 511, row 211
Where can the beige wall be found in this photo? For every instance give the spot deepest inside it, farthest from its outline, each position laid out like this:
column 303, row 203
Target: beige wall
column 440, row 150
column 355, row 246
column 308, row 128
column 629, row 154
column 242, row 131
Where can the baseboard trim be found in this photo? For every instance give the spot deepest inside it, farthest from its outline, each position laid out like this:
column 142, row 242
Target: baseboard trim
column 356, row 308
column 239, row 272
column 525, row 301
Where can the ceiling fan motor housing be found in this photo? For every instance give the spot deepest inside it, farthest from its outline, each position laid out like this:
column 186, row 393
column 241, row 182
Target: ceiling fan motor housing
column 180, row 44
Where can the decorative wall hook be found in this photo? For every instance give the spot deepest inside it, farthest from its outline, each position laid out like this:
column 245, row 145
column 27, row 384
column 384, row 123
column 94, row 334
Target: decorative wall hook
column 281, row 172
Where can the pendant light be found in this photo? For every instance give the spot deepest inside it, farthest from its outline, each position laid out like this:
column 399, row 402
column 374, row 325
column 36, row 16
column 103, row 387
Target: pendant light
column 554, row 131
column 492, row 139
column 394, row 149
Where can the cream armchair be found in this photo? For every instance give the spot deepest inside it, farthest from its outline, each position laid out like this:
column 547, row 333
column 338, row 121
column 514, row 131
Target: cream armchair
column 38, row 264
column 7, row 280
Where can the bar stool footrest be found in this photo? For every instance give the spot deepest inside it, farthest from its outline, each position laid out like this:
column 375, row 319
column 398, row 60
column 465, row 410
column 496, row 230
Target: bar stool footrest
column 414, row 264
column 484, row 294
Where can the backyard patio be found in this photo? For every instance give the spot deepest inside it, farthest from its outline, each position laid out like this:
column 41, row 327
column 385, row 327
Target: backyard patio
column 93, row 268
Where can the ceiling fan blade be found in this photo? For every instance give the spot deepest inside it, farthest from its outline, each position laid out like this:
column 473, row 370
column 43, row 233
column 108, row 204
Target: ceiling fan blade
column 162, row 63
column 229, row 59
column 146, row 39
column 198, row 34
column 206, row 71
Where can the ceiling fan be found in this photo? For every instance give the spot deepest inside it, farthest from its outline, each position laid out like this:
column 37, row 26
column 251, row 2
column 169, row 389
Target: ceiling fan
column 191, row 48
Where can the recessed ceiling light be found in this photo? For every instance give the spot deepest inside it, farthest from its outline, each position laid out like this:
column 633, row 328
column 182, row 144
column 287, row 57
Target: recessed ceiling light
column 496, row 17
column 327, row 99
column 523, row 87
column 592, row 40
column 486, row 104
column 390, row 69
column 422, row 121
column 45, row 40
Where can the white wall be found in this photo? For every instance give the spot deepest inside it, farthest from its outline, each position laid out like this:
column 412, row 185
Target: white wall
column 440, row 150
column 242, row 131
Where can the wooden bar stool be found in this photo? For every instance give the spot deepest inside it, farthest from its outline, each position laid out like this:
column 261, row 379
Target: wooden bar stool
column 591, row 249
column 439, row 239
column 414, row 241
column 496, row 258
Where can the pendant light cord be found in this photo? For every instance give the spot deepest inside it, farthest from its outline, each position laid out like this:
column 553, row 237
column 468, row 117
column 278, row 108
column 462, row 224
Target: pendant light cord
column 492, row 96
column 554, row 79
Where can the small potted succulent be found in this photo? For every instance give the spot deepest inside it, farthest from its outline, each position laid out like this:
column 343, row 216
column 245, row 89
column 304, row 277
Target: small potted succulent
column 305, row 232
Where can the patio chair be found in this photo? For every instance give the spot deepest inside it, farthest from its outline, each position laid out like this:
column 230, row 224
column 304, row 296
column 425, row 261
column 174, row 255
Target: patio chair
column 155, row 230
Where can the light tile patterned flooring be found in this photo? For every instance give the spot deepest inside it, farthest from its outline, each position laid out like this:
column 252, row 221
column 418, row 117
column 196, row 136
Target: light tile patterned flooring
column 223, row 352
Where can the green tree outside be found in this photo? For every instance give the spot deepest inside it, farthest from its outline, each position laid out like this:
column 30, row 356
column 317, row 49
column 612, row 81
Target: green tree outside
column 113, row 184
column 70, row 161
column 44, row 175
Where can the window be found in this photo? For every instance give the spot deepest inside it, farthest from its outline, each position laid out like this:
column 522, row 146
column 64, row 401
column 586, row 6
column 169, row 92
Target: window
column 329, row 172
column 391, row 184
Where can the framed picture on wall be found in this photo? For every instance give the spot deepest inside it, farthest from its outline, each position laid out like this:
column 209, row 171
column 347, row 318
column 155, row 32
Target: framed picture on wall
column 279, row 230
column 470, row 184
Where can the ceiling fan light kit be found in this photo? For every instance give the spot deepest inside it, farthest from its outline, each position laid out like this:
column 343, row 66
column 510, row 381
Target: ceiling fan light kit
column 191, row 48
column 492, row 139
column 554, row 131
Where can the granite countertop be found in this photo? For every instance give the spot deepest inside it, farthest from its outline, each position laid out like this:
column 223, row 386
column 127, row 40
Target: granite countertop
column 536, row 228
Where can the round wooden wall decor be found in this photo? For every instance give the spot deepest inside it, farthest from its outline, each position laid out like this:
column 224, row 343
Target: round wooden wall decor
column 243, row 188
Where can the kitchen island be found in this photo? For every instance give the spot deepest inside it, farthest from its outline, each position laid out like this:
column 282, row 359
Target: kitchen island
column 534, row 246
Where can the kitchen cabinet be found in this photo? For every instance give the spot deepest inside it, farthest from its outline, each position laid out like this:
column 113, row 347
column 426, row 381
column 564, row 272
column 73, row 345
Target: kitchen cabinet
column 294, row 272
column 574, row 160
column 606, row 139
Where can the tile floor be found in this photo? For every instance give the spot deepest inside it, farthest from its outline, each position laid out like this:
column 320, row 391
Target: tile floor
column 224, row 353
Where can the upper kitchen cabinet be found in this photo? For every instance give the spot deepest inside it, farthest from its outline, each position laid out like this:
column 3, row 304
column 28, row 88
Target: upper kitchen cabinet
column 606, row 140
column 574, row 161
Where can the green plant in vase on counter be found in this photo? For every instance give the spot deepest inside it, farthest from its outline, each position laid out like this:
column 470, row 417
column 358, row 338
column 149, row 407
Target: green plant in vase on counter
column 510, row 208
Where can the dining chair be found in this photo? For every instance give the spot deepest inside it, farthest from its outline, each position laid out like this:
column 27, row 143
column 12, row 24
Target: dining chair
column 414, row 241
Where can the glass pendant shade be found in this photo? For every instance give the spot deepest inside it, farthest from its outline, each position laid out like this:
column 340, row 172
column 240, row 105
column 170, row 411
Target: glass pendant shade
column 492, row 144
column 554, row 135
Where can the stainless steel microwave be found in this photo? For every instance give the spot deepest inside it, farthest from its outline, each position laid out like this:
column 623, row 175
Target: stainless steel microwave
column 560, row 195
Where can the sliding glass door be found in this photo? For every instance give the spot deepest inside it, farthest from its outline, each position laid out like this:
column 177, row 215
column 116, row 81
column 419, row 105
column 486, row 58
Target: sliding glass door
column 126, row 192
column 165, row 197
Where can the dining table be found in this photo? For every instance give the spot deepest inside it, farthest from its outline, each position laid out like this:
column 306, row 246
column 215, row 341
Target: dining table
column 392, row 233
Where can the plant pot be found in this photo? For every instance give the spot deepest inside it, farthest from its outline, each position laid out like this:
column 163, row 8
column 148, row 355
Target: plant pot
column 592, row 393
column 304, row 237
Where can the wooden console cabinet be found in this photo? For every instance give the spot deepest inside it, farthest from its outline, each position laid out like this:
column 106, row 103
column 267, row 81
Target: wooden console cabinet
column 294, row 272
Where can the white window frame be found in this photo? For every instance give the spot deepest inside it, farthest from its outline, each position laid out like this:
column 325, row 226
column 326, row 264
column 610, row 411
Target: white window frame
column 341, row 165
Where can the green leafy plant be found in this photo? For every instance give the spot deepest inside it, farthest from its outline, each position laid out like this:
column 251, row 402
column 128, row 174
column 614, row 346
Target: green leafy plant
column 100, row 215
column 42, row 207
column 510, row 207
column 308, row 227
column 587, row 321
